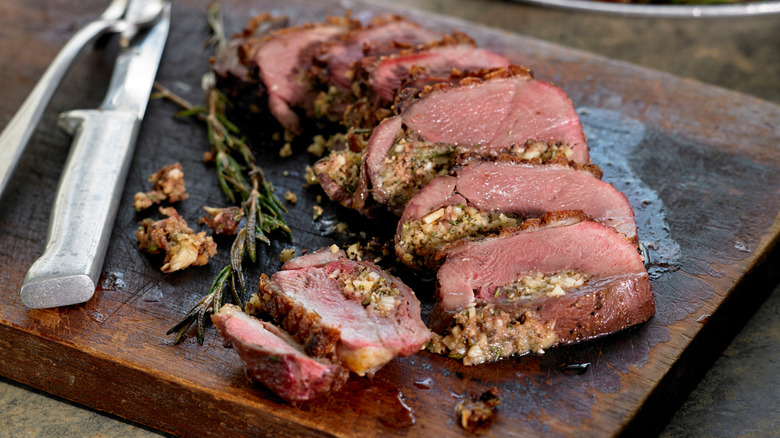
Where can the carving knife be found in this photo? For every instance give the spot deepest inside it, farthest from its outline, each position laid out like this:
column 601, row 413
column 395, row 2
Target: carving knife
column 94, row 175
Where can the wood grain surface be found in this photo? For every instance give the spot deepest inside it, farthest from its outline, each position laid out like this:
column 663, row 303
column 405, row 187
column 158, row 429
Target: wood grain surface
column 699, row 164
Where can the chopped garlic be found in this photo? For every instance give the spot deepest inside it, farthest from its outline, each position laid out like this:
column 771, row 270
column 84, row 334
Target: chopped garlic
column 430, row 217
column 556, row 292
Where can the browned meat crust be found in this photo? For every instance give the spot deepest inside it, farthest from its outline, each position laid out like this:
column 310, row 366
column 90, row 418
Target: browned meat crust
column 305, row 325
column 608, row 288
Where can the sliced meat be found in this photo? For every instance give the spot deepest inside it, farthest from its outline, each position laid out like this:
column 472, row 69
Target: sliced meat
column 337, row 64
column 316, row 259
column 233, row 64
column 384, row 35
column 340, row 177
column 275, row 359
column 458, row 54
column 504, row 109
column 378, row 80
column 284, row 59
column 506, row 112
column 484, row 197
column 555, row 280
column 234, row 69
column 351, row 311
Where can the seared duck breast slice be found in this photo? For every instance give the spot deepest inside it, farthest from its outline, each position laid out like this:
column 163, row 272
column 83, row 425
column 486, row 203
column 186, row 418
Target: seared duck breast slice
column 351, row 311
column 484, row 197
column 555, row 280
column 507, row 112
column 275, row 359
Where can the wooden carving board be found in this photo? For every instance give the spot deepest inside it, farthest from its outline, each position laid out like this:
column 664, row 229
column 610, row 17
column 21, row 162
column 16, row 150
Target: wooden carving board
column 701, row 166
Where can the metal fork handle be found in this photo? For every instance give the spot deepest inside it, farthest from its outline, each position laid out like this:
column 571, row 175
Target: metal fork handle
column 17, row 133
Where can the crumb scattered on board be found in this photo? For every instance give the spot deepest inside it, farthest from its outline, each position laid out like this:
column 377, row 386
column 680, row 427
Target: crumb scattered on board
column 222, row 220
column 309, row 176
column 373, row 250
column 168, row 186
column 476, row 413
column 290, row 196
column 286, row 151
column 286, row 254
column 318, row 146
column 181, row 245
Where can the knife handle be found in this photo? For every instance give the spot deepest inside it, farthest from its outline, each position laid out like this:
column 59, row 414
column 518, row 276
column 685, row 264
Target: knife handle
column 17, row 133
column 84, row 208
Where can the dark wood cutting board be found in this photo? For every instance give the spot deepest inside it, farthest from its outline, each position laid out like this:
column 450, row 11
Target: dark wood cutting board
column 701, row 167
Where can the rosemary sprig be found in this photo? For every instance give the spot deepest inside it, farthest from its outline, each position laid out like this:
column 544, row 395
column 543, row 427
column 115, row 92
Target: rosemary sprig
column 214, row 20
column 262, row 210
column 242, row 181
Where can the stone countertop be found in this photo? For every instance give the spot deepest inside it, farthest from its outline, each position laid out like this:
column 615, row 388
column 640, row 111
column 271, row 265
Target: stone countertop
column 740, row 395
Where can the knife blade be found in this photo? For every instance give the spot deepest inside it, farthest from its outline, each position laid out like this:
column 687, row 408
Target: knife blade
column 94, row 176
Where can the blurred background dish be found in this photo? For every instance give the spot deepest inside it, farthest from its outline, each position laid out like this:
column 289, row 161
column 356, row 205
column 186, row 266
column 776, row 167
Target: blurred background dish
column 665, row 10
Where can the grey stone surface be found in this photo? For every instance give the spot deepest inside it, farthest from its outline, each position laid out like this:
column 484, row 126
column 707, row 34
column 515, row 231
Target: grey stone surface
column 28, row 413
column 740, row 395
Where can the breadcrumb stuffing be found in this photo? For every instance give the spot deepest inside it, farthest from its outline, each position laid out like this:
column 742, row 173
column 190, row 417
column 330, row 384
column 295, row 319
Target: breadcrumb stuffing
column 369, row 288
column 182, row 246
column 343, row 167
column 420, row 240
column 487, row 333
column 168, row 186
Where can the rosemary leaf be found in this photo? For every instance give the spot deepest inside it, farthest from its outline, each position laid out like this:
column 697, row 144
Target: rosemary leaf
column 190, row 112
column 236, row 255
